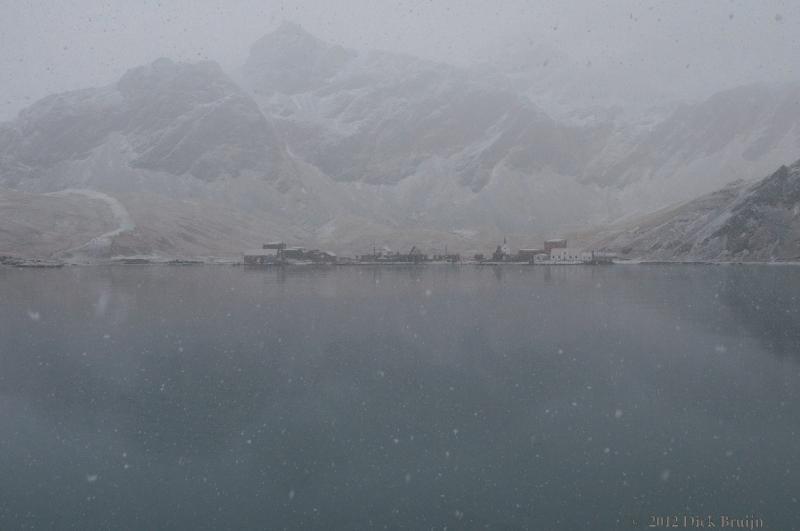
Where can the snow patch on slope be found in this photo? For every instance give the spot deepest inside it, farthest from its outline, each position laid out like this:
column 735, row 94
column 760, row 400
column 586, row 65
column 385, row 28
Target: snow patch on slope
column 101, row 243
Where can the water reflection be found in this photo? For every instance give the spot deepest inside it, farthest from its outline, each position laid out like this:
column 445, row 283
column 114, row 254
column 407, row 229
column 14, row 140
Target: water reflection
column 208, row 397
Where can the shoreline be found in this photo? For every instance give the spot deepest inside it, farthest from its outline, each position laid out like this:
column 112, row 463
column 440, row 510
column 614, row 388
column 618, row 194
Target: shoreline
column 46, row 263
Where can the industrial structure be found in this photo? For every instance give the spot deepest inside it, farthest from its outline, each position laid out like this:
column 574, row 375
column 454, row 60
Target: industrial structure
column 278, row 253
column 554, row 252
column 414, row 256
column 559, row 254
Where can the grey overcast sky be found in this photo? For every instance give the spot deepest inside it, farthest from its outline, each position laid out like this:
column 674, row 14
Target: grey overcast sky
column 697, row 47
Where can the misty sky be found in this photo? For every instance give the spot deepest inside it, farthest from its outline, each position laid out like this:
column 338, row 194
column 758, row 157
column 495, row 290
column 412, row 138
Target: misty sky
column 695, row 48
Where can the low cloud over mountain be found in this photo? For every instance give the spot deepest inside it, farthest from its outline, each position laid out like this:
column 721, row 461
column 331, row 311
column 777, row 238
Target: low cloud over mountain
column 329, row 146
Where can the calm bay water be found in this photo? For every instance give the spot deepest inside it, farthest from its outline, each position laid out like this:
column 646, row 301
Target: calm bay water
column 159, row 397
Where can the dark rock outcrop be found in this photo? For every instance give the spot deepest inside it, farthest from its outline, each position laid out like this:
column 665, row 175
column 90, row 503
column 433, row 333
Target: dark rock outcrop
column 742, row 222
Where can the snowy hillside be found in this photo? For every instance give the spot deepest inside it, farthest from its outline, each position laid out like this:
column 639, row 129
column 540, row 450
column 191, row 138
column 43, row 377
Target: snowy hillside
column 746, row 222
column 325, row 146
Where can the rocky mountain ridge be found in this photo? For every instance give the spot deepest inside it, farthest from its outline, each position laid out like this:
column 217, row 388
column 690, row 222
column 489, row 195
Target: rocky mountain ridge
column 741, row 222
column 332, row 147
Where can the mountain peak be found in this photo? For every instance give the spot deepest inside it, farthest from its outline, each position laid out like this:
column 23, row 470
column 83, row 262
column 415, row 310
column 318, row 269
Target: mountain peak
column 203, row 76
column 288, row 27
column 780, row 188
column 288, row 36
column 291, row 60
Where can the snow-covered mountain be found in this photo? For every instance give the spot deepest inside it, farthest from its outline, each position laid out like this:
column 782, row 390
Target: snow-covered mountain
column 177, row 118
column 326, row 146
column 747, row 222
column 579, row 92
column 387, row 119
column 735, row 134
column 378, row 118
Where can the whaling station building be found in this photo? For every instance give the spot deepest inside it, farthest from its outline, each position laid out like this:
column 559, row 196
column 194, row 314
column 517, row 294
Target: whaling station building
column 555, row 252
column 414, row 256
column 277, row 253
